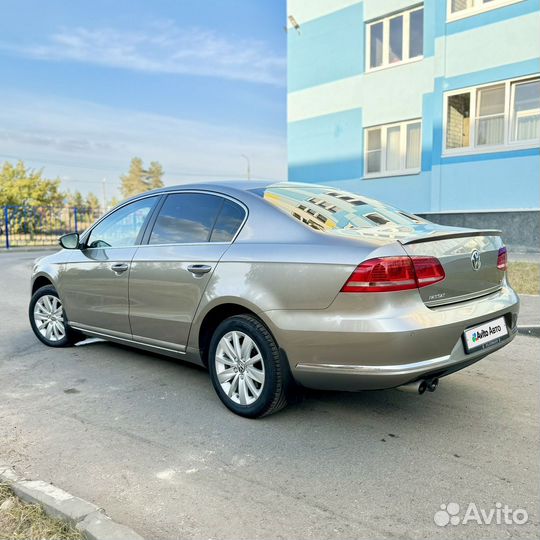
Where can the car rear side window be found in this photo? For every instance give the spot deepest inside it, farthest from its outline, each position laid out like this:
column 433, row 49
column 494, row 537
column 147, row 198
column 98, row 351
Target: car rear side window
column 228, row 222
column 186, row 218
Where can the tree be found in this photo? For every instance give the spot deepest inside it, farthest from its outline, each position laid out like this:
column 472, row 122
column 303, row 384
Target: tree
column 20, row 185
column 33, row 201
column 113, row 202
column 75, row 199
column 132, row 182
column 92, row 201
column 138, row 179
column 155, row 175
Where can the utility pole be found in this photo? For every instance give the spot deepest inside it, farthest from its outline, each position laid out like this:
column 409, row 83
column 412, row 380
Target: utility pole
column 104, row 187
column 248, row 163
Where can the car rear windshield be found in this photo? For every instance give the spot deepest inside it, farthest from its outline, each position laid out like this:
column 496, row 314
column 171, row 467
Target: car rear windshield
column 327, row 209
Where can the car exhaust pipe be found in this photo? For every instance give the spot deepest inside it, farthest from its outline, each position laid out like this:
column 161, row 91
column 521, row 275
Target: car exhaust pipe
column 419, row 387
column 433, row 384
column 416, row 387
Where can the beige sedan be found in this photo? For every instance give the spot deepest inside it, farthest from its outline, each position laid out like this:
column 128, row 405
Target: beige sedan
column 277, row 286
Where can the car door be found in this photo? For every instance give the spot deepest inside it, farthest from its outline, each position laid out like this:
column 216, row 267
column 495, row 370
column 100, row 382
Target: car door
column 170, row 271
column 94, row 283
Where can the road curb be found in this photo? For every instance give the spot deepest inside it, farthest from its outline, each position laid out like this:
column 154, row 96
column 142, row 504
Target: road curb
column 52, row 249
column 532, row 330
column 85, row 516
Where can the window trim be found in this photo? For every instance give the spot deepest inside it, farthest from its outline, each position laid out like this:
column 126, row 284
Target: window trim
column 143, row 239
column 478, row 117
column 508, row 145
column 478, row 7
column 383, row 173
column 148, row 232
column 406, row 13
column 151, row 226
column 86, row 235
column 512, row 124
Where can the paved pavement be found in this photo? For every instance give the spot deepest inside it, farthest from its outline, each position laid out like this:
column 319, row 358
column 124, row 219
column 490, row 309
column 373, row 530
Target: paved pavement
column 529, row 312
column 146, row 438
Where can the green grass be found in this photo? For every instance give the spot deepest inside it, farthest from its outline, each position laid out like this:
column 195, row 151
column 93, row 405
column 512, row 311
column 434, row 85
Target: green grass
column 21, row 521
column 524, row 277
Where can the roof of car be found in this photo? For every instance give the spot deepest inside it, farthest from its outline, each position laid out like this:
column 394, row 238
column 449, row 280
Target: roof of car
column 227, row 187
column 241, row 185
column 238, row 185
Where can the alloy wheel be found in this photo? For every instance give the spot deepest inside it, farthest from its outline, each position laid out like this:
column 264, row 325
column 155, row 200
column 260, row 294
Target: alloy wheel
column 49, row 318
column 240, row 367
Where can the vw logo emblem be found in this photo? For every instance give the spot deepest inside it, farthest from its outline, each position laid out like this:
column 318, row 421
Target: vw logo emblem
column 476, row 262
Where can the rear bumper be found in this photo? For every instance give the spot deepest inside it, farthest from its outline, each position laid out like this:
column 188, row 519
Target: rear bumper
column 359, row 377
column 362, row 343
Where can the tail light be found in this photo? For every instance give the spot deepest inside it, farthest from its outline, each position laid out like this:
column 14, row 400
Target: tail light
column 502, row 259
column 428, row 270
column 386, row 274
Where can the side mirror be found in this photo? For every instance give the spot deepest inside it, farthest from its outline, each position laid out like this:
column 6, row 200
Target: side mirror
column 69, row 241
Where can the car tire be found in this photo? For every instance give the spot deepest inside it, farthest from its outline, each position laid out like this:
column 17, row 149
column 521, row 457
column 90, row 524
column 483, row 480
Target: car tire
column 48, row 319
column 251, row 383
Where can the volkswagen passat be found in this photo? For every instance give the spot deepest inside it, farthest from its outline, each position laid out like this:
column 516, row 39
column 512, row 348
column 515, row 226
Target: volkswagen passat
column 276, row 286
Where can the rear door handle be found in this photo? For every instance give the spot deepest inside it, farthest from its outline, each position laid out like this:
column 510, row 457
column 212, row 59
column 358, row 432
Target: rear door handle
column 199, row 269
column 119, row 268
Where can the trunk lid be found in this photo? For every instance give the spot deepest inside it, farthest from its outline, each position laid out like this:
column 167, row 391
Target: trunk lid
column 453, row 246
column 468, row 256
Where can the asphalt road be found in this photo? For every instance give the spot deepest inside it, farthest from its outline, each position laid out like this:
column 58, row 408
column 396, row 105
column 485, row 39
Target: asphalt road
column 146, row 438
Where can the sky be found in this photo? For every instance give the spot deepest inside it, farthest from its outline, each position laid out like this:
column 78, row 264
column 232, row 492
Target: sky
column 193, row 84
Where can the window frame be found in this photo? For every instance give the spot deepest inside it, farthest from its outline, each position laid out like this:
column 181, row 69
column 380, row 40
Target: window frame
column 140, row 236
column 144, row 234
column 150, row 225
column 403, row 171
column 508, row 143
column 512, row 120
column 478, row 7
column 478, row 117
column 405, row 39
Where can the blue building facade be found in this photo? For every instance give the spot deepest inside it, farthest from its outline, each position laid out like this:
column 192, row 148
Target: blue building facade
column 432, row 106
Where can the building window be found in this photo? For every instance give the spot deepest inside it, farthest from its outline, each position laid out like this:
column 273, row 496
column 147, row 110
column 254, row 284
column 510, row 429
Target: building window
column 323, row 204
column 377, row 219
column 526, row 111
column 457, row 126
column 355, row 201
column 465, row 8
column 490, row 116
column 496, row 115
column 393, row 149
column 395, row 39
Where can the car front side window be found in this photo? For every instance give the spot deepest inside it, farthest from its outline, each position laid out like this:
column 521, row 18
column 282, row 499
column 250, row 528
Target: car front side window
column 122, row 227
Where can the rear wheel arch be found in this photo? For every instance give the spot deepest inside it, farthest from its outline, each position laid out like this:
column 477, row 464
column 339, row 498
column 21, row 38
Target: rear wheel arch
column 213, row 319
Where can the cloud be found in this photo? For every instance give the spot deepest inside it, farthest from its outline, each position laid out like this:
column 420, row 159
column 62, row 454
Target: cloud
column 84, row 142
column 162, row 48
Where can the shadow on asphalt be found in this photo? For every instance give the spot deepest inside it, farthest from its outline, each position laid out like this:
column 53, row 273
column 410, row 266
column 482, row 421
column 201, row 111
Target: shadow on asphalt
column 317, row 402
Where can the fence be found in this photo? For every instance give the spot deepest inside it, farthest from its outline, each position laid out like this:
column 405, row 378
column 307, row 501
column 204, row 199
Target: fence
column 22, row 226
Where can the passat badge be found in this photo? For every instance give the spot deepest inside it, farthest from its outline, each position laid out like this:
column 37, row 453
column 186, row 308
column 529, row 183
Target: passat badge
column 475, row 260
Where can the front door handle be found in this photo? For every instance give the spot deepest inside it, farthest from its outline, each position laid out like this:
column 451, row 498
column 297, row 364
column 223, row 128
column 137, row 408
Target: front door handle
column 199, row 269
column 119, row 268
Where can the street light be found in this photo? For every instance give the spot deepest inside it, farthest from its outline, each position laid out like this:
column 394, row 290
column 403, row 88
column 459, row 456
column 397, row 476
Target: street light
column 104, row 188
column 248, row 163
